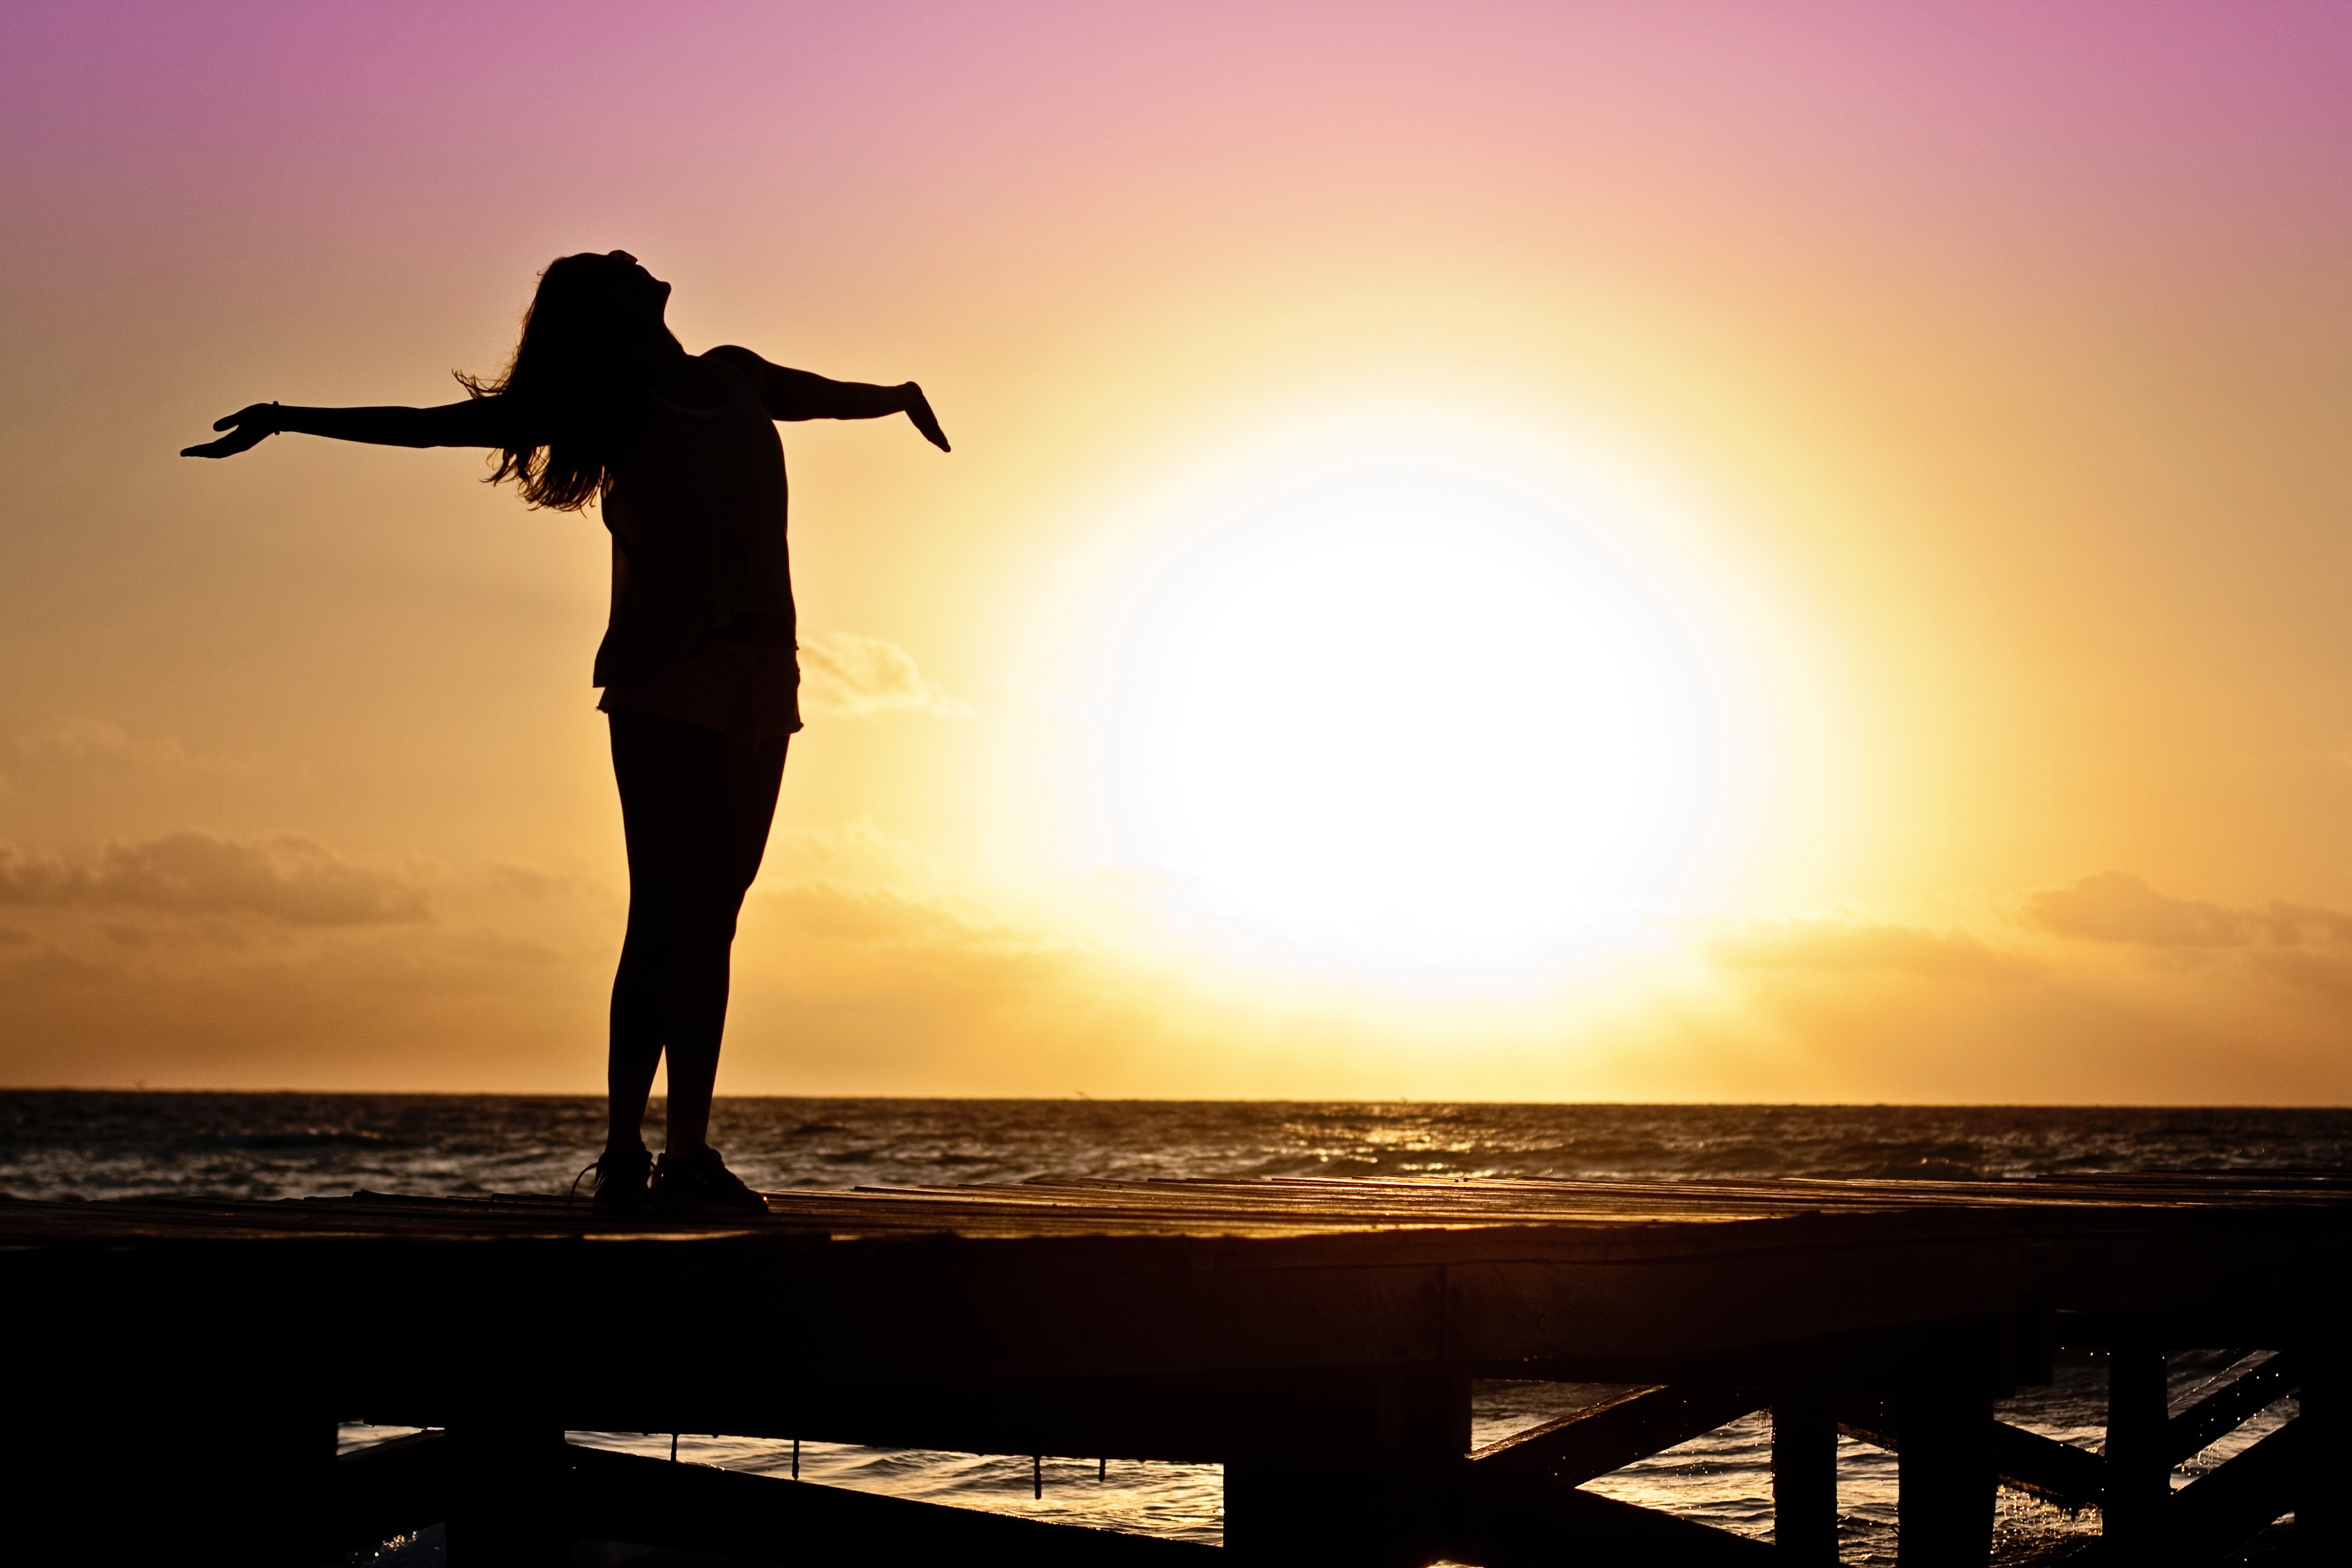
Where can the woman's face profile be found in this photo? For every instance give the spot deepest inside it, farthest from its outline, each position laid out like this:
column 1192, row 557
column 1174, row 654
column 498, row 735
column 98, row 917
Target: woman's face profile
column 637, row 292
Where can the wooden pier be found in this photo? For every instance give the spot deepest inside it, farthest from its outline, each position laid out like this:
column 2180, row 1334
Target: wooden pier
column 1316, row 1338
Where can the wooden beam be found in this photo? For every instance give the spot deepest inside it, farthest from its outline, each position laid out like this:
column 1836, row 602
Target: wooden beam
column 2044, row 1468
column 2222, row 1508
column 1300, row 1517
column 1609, row 1436
column 1805, row 1480
column 1575, row 1529
column 2229, row 1407
column 762, row 1518
column 388, row 1488
column 2023, row 1461
column 1322, row 1415
column 1521, row 1505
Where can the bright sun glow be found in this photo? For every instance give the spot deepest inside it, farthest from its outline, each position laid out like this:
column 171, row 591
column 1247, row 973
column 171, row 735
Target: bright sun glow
column 1393, row 713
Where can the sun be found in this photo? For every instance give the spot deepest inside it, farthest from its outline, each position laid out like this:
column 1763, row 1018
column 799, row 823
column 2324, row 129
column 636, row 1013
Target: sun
column 1394, row 712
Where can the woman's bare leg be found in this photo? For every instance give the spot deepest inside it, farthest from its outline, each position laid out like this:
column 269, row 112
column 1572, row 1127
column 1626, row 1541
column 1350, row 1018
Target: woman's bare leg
column 696, row 807
column 640, row 991
column 703, row 975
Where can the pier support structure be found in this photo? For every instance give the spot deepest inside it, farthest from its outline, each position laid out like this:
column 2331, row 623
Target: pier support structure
column 1315, row 1337
column 1382, row 1501
column 2322, row 1505
column 2139, row 1470
column 1945, row 1472
column 1805, row 1480
column 507, row 1503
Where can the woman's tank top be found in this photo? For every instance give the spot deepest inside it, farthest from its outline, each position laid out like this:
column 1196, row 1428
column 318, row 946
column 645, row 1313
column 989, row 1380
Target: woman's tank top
column 702, row 613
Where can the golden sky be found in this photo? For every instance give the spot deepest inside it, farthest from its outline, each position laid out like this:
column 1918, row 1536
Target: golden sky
column 1681, row 552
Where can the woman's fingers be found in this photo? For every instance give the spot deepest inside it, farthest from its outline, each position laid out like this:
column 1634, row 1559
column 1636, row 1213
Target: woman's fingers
column 250, row 424
column 243, row 440
column 919, row 409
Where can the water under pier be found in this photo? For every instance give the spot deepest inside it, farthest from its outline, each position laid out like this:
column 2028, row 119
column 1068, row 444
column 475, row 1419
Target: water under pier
column 1316, row 1338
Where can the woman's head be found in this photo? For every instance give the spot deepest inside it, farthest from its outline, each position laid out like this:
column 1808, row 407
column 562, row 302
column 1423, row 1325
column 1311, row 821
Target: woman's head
column 590, row 341
column 607, row 301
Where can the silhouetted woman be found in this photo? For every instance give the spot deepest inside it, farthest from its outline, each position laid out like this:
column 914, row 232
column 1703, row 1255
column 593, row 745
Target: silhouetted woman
column 701, row 687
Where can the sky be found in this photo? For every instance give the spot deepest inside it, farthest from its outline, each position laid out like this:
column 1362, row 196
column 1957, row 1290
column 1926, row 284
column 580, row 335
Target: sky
column 1690, row 552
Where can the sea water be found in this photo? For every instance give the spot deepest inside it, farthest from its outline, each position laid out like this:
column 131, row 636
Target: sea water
column 67, row 1144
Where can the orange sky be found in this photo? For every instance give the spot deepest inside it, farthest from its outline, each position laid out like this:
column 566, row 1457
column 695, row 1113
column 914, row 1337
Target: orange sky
column 1515, row 552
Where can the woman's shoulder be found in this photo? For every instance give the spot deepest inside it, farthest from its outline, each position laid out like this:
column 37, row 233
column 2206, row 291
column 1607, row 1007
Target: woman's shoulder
column 742, row 363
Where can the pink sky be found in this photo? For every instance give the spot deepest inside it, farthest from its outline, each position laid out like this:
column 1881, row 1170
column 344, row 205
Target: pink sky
column 2008, row 339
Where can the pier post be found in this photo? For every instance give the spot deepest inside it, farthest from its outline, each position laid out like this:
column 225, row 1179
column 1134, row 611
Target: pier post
column 1384, row 1503
column 1945, row 1476
column 508, row 1509
column 2139, row 1481
column 2323, row 1511
column 1804, row 1479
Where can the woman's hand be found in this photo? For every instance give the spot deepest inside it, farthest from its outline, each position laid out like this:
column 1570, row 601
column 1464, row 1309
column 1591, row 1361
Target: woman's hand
column 247, row 427
column 919, row 409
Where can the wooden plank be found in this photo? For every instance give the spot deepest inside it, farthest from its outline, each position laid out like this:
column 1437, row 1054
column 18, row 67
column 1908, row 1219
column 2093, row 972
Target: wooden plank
column 2044, row 1466
column 386, row 1489
column 2229, row 1406
column 1304, row 1516
column 1576, row 1529
column 2023, row 1461
column 1260, row 1207
column 784, row 1309
column 1648, row 1282
column 2222, row 1508
column 650, row 1502
column 1607, row 1436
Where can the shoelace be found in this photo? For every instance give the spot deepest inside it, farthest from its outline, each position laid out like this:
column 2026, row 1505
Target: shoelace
column 595, row 1164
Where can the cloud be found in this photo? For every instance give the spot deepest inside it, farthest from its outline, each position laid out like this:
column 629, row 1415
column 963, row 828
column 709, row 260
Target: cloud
column 284, row 877
column 851, row 676
column 904, row 918
column 2117, row 907
column 516, row 879
column 90, row 742
column 1849, row 945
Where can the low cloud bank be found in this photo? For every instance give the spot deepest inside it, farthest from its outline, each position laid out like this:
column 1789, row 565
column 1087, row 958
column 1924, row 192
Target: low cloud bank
column 852, row 676
column 85, row 743
column 1839, row 944
column 283, row 877
column 2117, row 907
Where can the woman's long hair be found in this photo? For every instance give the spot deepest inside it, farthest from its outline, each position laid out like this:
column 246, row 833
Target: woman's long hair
column 576, row 371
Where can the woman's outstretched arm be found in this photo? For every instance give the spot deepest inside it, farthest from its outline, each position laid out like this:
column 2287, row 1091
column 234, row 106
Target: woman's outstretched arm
column 799, row 394
column 476, row 422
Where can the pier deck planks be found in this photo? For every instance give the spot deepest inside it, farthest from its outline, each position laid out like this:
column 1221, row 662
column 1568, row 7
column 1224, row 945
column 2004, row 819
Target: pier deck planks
column 1090, row 1279
column 1285, row 1328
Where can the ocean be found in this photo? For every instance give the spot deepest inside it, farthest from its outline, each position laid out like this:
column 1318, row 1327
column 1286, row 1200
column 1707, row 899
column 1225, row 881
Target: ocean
column 101, row 1145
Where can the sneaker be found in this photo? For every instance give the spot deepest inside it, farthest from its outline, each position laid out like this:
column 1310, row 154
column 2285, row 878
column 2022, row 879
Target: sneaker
column 621, row 1182
column 700, row 1182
